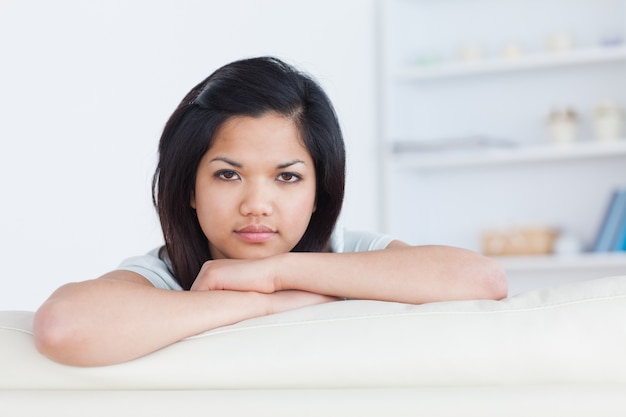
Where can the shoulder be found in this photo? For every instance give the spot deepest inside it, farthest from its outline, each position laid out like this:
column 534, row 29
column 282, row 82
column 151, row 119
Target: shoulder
column 344, row 240
column 154, row 266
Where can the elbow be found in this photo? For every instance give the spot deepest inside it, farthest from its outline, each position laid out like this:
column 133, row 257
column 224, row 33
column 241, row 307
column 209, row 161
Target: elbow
column 495, row 284
column 53, row 333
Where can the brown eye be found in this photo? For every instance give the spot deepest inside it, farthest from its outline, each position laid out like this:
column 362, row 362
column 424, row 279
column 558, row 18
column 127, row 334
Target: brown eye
column 227, row 175
column 289, row 177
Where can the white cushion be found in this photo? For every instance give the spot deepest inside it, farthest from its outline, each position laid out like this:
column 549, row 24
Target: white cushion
column 573, row 334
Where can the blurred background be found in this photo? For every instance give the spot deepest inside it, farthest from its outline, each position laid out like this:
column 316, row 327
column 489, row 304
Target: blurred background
column 496, row 126
column 86, row 88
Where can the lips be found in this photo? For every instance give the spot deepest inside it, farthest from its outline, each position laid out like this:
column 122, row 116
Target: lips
column 255, row 228
column 255, row 233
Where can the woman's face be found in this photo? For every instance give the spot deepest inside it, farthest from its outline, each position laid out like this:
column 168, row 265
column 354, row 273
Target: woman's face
column 255, row 188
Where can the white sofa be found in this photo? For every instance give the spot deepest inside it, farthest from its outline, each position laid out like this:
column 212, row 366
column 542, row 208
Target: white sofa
column 554, row 352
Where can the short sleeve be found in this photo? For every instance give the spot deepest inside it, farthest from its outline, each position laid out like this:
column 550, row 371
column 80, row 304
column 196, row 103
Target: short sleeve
column 343, row 240
column 153, row 268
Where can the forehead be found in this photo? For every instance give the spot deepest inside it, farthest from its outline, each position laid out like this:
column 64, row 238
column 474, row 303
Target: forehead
column 267, row 134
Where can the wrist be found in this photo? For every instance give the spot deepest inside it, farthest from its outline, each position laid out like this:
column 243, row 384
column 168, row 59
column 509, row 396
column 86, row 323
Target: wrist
column 288, row 270
column 278, row 271
column 257, row 303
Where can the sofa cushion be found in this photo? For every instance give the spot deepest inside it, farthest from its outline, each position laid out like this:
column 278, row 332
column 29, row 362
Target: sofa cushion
column 568, row 334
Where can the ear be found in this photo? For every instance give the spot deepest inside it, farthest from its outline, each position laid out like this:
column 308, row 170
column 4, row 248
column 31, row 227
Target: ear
column 192, row 200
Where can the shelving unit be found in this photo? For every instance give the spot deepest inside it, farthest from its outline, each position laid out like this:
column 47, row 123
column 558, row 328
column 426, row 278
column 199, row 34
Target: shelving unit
column 537, row 61
column 533, row 272
column 559, row 263
column 518, row 155
column 450, row 196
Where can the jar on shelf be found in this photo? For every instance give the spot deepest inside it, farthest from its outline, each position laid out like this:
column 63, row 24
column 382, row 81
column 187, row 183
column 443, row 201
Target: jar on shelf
column 470, row 53
column 608, row 121
column 561, row 42
column 563, row 125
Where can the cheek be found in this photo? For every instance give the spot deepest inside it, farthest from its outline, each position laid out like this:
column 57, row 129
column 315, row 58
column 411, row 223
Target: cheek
column 303, row 206
column 212, row 208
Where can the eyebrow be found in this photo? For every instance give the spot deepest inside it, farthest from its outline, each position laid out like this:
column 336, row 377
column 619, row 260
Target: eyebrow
column 239, row 165
column 290, row 163
column 227, row 160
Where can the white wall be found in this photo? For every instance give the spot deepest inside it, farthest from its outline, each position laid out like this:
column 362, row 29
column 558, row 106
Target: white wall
column 86, row 87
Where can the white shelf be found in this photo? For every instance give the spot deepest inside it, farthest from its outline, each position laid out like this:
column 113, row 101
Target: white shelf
column 529, row 62
column 539, row 263
column 430, row 160
column 534, row 272
column 447, row 179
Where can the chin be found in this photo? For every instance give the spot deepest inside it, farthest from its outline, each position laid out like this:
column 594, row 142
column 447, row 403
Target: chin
column 255, row 253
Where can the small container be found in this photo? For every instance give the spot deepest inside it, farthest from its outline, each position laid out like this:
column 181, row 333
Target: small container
column 470, row 53
column 519, row 241
column 560, row 42
column 512, row 52
column 563, row 126
column 608, row 122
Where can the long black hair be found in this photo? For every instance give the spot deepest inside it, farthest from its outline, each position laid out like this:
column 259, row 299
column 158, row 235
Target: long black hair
column 250, row 87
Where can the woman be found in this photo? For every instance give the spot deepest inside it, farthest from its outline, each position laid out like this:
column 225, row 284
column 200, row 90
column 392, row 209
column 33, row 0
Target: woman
column 248, row 188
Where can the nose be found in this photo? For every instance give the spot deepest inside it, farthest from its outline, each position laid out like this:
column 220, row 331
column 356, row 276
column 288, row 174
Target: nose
column 257, row 201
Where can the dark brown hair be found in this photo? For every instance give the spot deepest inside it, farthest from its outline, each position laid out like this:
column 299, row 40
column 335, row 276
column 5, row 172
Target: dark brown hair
column 250, row 87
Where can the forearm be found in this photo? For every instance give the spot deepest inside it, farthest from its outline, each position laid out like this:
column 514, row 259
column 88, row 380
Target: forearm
column 403, row 274
column 106, row 321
